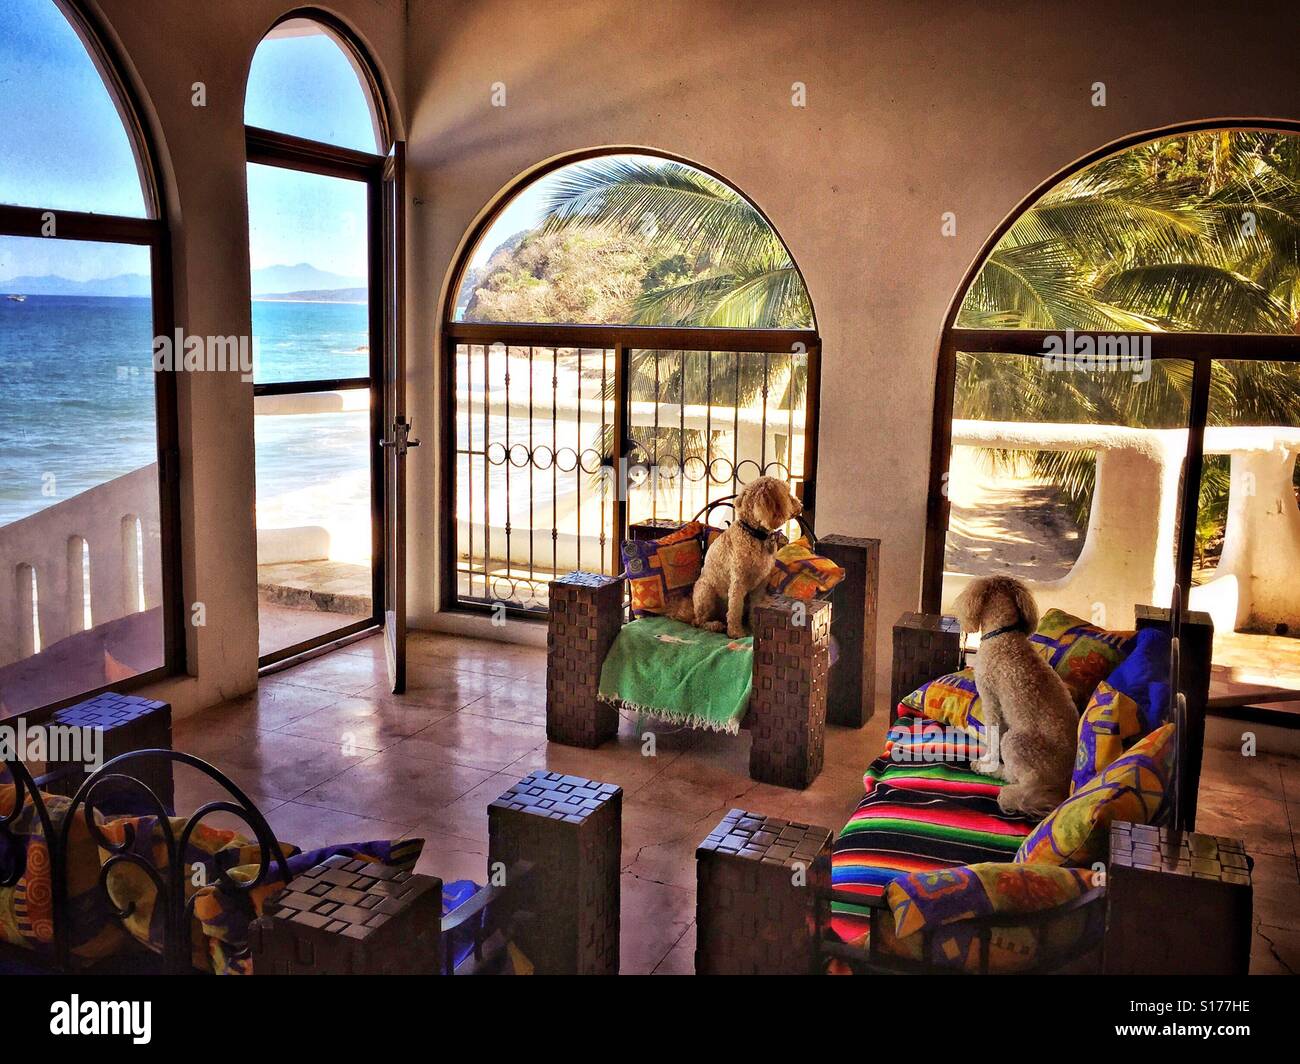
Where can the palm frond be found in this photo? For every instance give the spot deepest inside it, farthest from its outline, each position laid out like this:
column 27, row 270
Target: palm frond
column 670, row 204
column 1196, row 296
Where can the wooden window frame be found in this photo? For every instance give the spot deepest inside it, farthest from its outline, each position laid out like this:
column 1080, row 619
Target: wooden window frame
column 152, row 232
column 267, row 147
column 1200, row 349
column 622, row 339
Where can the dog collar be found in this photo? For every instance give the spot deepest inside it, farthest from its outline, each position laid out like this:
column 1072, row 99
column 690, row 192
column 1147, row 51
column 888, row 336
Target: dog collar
column 1018, row 626
column 760, row 534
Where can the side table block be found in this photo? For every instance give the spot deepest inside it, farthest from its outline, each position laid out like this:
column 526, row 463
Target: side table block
column 127, row 723
column 1177, row 903
column 350, row 917
column 851, row 697
column 586, row 613
column 570, row 830
column 787, row 708
column 925, row 647
column 757, row 910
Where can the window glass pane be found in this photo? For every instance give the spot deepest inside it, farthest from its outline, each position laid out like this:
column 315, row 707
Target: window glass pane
column 532, row 496
column 633, row 240
column 304, row 82
column 80, row 546
column 1196, row 232
column 308, row 251
column 313, row 514
column 706, row 423
column 1068, row 477
column 1247, row 574
column 62, row 142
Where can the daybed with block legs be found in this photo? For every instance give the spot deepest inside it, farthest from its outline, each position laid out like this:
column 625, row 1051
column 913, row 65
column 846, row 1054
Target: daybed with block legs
column 105, row 879
column 794, row 688
column 929, row 875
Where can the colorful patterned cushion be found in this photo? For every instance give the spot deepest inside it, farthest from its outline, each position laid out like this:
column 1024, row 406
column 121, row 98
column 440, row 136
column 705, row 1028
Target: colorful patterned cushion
column 660, row 571
column 1131, row 788
column 1125, row 707
column 931, row 899
column 952, row 699
column 1081, row 653
column 26, row 908
column 1111, row 723
column 948, row 897
column 801, row 573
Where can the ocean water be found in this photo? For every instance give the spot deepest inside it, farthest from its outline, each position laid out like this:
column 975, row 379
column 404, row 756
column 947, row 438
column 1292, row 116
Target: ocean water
column 77, row 398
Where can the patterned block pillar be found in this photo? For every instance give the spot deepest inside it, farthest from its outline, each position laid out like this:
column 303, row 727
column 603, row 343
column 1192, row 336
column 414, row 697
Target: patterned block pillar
column 125, row 723
column 585, row 616
column 1177, row 903
column 787, row 709
column 1196, row 651
column 350, row 917
column 757, row 904
column 569, row 829
column 925, row 646
column 851, row 698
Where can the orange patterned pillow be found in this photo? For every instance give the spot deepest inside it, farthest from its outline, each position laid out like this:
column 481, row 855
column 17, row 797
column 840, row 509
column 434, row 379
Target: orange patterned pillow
column 661, row 571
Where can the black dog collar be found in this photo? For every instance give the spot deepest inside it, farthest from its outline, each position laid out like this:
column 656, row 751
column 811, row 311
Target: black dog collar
column 760, row 534
column 1019, row 626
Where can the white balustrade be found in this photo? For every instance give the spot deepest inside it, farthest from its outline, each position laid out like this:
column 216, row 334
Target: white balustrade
column 109, row 520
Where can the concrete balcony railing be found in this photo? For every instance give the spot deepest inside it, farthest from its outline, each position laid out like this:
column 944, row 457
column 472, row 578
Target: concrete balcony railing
column 44, row 558
column 1129, row 546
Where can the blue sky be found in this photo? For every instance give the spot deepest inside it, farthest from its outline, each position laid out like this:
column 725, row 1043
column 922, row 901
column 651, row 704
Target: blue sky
column 55, row 114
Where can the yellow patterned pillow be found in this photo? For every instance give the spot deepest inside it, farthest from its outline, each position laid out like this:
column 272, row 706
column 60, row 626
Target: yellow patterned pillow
column 1111, row 722
column 1131, row 788
column 1081, row 653
column 801, row 573
column 952, row 699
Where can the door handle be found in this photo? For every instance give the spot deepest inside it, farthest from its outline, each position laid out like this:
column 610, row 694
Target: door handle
column 399, row 440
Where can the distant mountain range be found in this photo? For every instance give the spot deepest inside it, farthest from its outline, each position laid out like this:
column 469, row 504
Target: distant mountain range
column 302, row 281
column 317, row 295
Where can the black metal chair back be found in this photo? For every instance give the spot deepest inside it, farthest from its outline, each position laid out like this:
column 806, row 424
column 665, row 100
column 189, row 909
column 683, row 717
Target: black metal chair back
column 706, row 515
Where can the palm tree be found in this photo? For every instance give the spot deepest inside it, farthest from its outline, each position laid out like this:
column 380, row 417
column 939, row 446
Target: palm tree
column 729, row 270
column 741, row 275
column 1199, row 232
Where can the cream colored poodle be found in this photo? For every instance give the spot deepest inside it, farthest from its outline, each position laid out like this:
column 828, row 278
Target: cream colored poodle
column 740, row 560
column 1022, row 696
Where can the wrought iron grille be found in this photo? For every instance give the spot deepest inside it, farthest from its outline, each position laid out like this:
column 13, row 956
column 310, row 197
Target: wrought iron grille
column 558, row 445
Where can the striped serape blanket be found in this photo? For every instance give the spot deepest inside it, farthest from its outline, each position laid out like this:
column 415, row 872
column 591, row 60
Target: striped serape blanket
column 923, row 809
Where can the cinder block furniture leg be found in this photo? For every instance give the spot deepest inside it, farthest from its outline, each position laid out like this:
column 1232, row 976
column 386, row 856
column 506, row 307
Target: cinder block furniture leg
column 925, row 646
column 569, row 829
column 1196, row 652
column 123, row 723
column 757, row 909
column 851, row 697
column 1177, row 903
column 350, row 917
column 585, row 616
column 787, row 708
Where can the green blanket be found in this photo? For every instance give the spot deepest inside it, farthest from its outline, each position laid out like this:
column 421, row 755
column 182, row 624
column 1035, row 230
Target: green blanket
column 668, row 669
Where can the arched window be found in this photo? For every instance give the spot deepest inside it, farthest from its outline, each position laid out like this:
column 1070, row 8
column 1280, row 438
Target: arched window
column 619, row 318
column 317, row 133
column 87, row 426
column 309, row 80
column 1120, row 388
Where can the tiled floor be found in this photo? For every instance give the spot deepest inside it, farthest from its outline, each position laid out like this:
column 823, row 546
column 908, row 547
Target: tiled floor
column 330, row 755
